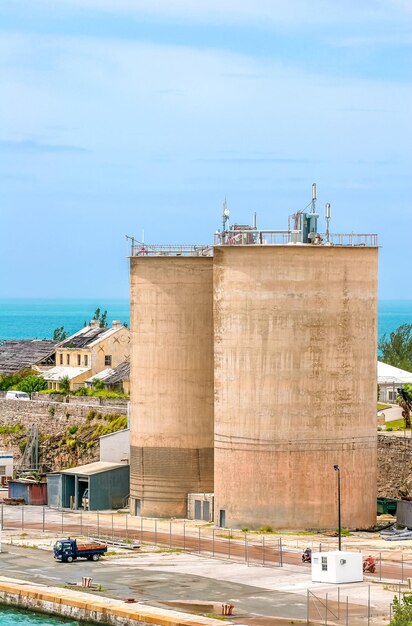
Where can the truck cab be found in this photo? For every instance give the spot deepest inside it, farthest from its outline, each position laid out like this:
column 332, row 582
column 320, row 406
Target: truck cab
column 64, row 550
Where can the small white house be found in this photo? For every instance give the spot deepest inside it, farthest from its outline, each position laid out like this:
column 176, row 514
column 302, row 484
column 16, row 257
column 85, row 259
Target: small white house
column 337, row 567
column 389, row 379
column 6, row 465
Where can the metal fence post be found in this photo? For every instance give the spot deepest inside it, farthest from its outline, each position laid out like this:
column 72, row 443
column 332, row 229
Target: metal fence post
column 43, row 515
column 22, row 518
column 281, row 551
column 347, row 611
column 127, row 527
column 326, row 611
column 380, row 566
column 246, row 551
column 230, row 536
column 155, row 532
column 402, row 567
column 170, row 535
column 307, row 607
column 81, row 521
column 263, row 549
column 338, row 602
column 62, row 521
column 112, row 529
column 184, row 536
column 141, row 529
column 98, row 525
column 369, row 605
column 199, row 541
column 213, row 542
column 2, row 516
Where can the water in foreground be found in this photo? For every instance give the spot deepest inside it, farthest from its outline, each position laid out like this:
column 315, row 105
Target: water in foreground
column 13, row 617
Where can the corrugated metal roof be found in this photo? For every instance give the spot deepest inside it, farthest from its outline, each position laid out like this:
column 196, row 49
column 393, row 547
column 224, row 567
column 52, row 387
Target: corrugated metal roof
column 120, row 373
column 84, row 337
column 90, row 335
column 59, row 372
column 100, row 375
column 18, row 354
column 93, row 468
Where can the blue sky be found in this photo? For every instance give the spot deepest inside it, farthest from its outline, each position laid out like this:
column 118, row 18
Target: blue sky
column 123, row 115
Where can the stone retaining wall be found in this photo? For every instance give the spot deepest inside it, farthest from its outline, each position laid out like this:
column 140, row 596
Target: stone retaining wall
column 394, row 465
column 51, row 418
column 91, row 608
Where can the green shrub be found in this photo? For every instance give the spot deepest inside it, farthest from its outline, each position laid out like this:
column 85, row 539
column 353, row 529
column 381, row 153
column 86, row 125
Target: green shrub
column 32, row 383
column 64, row 384
column 266, row 529
column 402, row 612
column 72, row 429
column 12, row 430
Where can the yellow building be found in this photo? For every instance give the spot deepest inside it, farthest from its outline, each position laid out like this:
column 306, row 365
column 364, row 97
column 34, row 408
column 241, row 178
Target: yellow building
column 88, row 352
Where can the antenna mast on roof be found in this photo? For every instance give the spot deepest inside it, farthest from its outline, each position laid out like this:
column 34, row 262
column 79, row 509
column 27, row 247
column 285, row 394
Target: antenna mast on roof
column 314, row 194
column 225, row 217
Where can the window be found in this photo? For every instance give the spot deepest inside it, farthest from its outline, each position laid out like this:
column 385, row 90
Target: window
column 79, row 359
column 2, row 470
column 324, row 564
column 108, row 360
column 68, row 359
column 86, row 359
column 61, row 359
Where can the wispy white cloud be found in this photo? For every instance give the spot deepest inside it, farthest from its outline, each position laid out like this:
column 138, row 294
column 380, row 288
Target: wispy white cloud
column 29, row 146
column 267, row 13
column 139, row 101
column 371, row 41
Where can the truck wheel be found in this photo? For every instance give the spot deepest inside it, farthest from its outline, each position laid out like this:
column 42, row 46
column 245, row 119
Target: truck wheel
column 69, row 559
column 95, row 557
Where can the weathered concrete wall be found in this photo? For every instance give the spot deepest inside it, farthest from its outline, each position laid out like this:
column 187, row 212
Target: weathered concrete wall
column 171, row 382
column 394, row 465
column 295, row 385
column 115, row 448
column 87, row 607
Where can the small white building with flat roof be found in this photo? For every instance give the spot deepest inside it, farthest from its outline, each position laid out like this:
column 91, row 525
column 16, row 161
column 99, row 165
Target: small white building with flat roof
column 389, row 379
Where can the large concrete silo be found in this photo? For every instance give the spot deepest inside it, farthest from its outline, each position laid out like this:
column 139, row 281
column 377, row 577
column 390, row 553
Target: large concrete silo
column 295, row 385
column 172, row 382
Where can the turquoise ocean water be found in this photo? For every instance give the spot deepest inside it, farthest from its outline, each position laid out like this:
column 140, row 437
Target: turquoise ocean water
column 26, row 319
column 13, row 617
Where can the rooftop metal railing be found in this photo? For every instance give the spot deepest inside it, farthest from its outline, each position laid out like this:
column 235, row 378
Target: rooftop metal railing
column 252, row 237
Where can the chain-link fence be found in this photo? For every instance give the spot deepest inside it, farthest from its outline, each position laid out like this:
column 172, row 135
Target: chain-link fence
column 345, row 607
column 125, row 529
column 394, row 565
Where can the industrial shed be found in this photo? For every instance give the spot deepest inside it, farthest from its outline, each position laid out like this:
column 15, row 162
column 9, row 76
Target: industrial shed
column 107, row 484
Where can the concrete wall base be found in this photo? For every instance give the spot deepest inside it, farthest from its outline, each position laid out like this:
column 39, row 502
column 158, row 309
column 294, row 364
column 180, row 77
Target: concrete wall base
column 90, row 608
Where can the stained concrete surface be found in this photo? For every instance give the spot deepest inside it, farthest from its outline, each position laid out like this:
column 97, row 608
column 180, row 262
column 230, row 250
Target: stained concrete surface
column 165, row 579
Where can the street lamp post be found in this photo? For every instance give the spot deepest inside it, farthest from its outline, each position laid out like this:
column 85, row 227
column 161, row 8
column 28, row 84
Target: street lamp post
column 337, row 469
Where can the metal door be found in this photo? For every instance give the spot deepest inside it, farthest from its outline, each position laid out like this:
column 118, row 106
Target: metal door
column 206, row 511
column 198, row 509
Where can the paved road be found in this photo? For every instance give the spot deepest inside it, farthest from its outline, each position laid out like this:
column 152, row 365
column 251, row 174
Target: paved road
column 141, row 577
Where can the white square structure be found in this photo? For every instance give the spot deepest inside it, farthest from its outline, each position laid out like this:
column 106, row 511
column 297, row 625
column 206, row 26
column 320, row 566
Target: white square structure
column 6, row 464
column 337, row 567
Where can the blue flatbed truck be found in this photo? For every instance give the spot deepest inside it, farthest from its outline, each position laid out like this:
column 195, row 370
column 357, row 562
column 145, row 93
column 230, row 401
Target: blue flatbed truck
column 68, row 550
